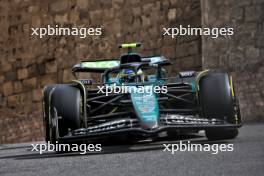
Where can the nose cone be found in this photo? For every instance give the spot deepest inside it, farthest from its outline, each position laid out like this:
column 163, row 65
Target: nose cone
column 146, row 107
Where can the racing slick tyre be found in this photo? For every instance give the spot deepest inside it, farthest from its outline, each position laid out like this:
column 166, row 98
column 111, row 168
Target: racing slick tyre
column 217, row 101
column 65, row 110
column 221, row 134
column 46, row 104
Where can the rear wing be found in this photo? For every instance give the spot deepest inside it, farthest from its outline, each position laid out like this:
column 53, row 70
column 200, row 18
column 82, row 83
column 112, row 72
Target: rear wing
column 100, row 66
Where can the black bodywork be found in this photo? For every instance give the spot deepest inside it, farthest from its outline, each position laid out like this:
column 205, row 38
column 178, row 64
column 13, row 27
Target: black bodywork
column 182, row 107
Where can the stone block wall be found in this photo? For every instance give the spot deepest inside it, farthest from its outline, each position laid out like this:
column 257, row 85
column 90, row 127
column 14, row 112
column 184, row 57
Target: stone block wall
column 27, row 63
column 241, row 54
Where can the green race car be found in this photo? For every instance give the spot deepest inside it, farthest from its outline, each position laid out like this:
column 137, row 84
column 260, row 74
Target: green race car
column 136, row 100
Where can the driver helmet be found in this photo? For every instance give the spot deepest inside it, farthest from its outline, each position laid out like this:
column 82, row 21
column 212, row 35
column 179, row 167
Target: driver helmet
column 130, row 74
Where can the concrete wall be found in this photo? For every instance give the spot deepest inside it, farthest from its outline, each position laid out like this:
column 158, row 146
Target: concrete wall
column 27, row 63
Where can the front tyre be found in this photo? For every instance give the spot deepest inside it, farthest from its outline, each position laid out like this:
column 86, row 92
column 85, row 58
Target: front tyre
column 217, row 100
column 221, row 134
column 45, row 108
column 65, row 111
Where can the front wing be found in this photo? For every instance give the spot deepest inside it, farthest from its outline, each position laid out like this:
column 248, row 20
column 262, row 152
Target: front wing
column 132, row 126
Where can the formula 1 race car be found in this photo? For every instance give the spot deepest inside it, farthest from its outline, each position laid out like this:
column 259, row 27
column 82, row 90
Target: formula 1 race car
column 136, row 100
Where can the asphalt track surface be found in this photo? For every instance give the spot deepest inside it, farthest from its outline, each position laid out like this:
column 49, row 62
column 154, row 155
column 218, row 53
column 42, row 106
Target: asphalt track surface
column 147, row 158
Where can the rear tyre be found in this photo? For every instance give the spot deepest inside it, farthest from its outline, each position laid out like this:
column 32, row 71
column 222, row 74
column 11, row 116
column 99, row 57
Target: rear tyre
column 217, row 101
column 65, row 110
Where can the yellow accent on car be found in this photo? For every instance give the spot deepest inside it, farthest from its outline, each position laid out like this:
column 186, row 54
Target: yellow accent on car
column 198, row 77
column 84, row 101
column 236, row 119
column 129, row 45
column 231, row 86
column 202, row 73
column 113, row 110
